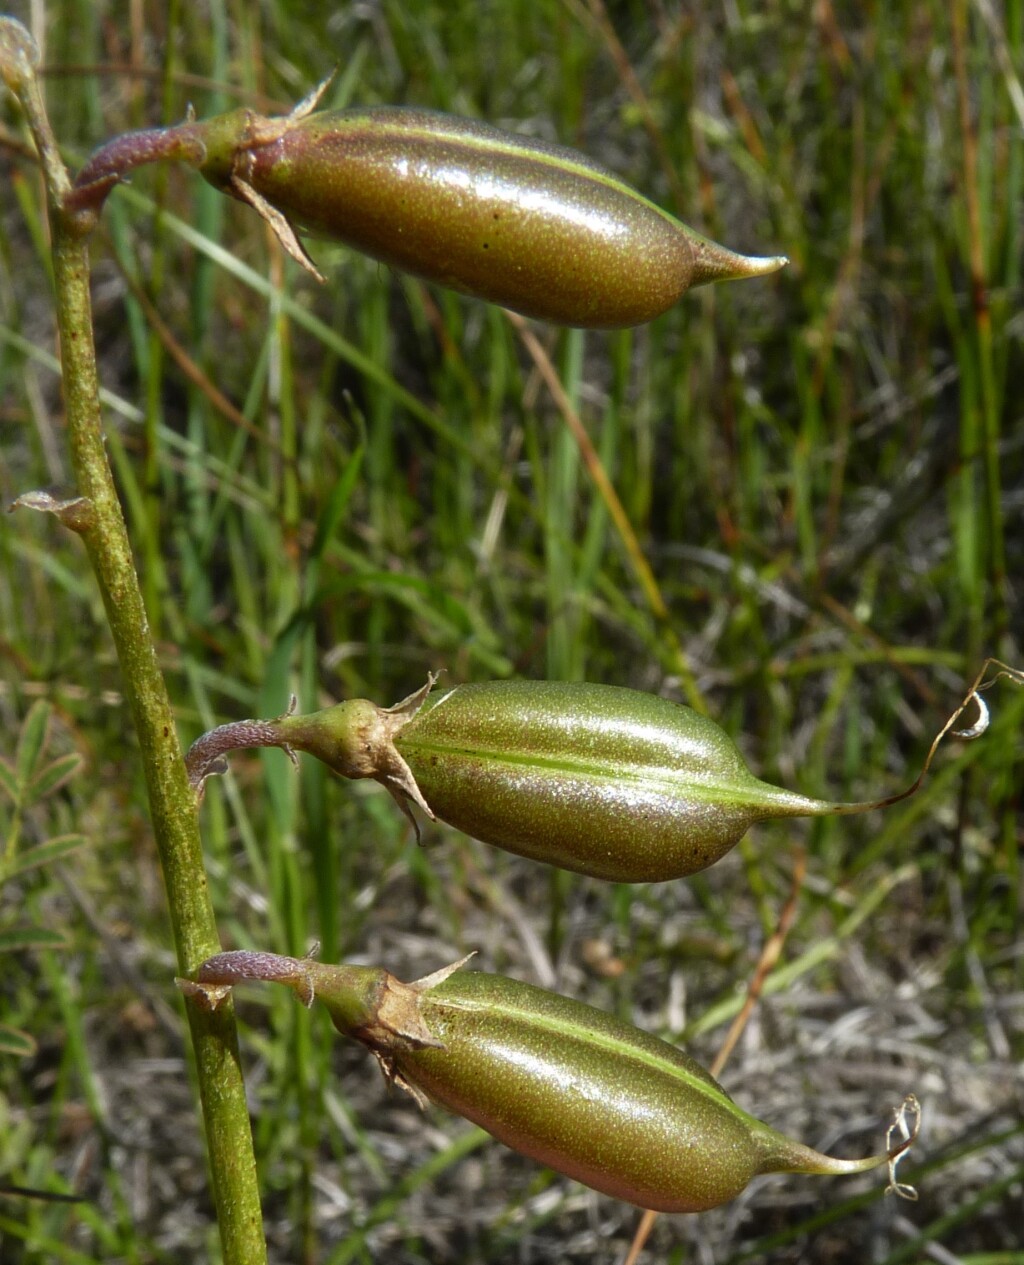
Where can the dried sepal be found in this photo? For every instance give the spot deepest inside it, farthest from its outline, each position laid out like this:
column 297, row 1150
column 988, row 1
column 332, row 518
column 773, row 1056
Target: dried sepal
column 393, row 771
column 436, row 978
column 278, row 222
column 394, row 1020
column 77, row 513
column 207, row 996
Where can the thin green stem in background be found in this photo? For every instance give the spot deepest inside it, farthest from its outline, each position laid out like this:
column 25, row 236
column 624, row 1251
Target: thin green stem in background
column 101, row 526
column 987, row 404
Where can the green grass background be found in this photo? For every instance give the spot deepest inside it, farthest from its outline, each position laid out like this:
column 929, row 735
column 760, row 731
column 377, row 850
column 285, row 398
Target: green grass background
column 334, row 490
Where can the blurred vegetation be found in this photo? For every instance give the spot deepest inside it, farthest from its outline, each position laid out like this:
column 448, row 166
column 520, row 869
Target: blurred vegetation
column 332, row 490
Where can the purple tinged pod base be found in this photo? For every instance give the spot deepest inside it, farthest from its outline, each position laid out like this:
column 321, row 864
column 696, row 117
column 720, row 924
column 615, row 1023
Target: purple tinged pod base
column 567, row 1085
column 112, row 163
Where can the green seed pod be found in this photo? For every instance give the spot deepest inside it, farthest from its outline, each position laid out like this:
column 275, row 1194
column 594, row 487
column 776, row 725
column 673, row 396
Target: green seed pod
column 567, row 1085
column 534, row 227
column 593, row 778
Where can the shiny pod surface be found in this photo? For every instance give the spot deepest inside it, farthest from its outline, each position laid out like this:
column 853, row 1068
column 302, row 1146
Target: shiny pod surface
column 578, row 1090
column 594, row 778
column 570, row 1086
column 532, row 226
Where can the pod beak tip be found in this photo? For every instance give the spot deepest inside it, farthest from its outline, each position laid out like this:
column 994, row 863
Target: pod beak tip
column 717, row 263
column 762, row 265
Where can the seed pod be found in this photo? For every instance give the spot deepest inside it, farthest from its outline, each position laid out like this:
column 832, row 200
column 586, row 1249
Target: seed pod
column 594, row 778
column 534, row 227
column 567, row 1085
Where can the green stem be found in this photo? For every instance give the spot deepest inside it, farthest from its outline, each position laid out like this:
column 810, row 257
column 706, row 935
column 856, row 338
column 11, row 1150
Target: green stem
column 172, row 802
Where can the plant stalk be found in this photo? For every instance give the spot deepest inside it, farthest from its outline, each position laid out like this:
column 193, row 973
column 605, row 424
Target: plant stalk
column 172, row 802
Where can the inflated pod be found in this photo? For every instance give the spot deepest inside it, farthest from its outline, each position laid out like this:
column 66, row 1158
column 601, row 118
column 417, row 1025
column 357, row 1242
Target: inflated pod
column 532, row 226
column 594, row 778
column 567, row 1085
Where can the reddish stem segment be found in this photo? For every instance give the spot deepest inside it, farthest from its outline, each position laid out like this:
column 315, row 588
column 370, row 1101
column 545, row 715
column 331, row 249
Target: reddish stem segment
column 110, row 164
column 205, row 757
column 239, row 965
